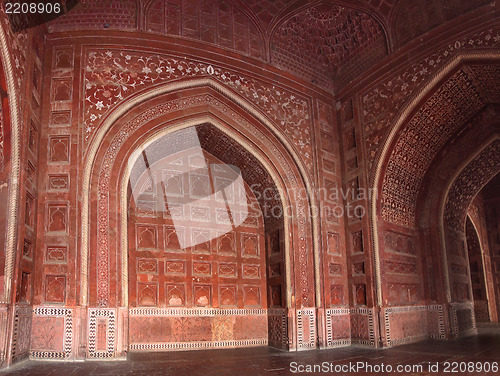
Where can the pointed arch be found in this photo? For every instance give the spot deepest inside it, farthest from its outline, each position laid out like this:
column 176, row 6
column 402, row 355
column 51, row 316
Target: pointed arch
column 278, row 141
column 384, row 154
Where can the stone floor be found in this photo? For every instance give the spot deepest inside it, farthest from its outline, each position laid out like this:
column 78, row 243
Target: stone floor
column 479, row 349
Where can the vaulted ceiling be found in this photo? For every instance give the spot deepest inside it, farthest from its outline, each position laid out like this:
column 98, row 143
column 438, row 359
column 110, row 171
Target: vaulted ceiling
column 327, row 42
column 465, row 100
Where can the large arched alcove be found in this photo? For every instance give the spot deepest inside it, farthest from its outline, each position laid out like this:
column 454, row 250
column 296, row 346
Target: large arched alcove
column 479, row 132
column 206, row 237
column 491, row 237
column 108, row 272
column 477, row 172
column 418, row 163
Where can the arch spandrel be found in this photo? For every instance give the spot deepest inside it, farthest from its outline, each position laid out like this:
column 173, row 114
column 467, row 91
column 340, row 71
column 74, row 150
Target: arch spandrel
column 139, row 71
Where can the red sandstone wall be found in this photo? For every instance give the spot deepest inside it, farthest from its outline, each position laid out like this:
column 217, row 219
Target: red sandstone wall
column 70, row 125
column 344, row 288
column 405, row 265
column 84, row 79
column 26, row 51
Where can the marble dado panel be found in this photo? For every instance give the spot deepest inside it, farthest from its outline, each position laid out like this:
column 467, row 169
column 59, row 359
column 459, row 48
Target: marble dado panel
column 363, row 326
column 21, row 334
column 52, row 333
column 3, row 334
column 174, row 329
column 278, row 328
column 345, row 326
column 157, row 329
column 462, row 319
column 338, row 327
column 306, row 328
column 102, row 333
column 409, row 324
column 55, row 334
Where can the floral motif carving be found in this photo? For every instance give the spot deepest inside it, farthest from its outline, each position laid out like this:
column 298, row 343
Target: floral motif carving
column 112, row 76
column 381, row 102
column 445, row 113
column 468, row 184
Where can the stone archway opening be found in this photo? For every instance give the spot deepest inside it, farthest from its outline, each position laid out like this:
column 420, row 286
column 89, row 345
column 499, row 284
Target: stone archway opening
column 205, row 244
column 426, row 186
column 462, row 272
column 477, row 273
column 111, row 179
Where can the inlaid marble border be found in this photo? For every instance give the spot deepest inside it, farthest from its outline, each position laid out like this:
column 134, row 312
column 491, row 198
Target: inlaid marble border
column 93, row 315
column 67, row 314
column 197, row 345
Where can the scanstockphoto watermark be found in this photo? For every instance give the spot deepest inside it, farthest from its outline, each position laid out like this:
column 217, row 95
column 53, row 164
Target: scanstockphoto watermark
column 405, row 369
column 334, row 202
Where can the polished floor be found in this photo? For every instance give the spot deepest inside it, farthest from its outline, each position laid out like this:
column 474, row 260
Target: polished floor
column 477, row 351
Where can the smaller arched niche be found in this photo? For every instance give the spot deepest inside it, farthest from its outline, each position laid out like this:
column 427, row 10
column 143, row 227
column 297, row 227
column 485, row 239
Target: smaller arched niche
column 477, row 272
column 205, row 242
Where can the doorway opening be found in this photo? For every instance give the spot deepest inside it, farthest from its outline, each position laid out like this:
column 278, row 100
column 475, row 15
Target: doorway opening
column 206, row 244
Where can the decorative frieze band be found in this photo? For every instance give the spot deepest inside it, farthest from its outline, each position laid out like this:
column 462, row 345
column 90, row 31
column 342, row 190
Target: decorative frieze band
column 196, row 345
column 204, row 312
column 369, row 313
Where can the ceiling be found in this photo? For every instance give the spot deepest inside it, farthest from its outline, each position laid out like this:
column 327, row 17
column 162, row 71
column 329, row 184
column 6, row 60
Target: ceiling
column 328, row 43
